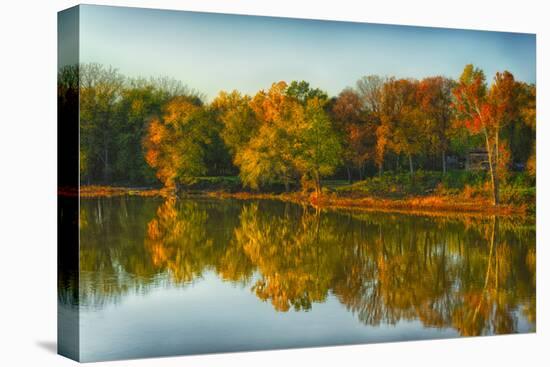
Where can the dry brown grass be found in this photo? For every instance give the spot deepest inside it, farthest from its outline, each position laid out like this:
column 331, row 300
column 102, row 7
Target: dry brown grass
column 431, row 203
column 416, row 204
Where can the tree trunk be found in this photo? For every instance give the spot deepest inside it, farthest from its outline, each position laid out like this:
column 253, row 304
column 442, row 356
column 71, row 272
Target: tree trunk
column 317, row 184
column 496, row 164
column 349, row 174
column 494, row 178
column 106, row 164
column 105, row 159
column 444, row 162
column 411, row 165
column 397, row 163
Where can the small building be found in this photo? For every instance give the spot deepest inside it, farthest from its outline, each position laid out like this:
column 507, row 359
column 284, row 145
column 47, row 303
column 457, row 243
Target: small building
column 477, row 159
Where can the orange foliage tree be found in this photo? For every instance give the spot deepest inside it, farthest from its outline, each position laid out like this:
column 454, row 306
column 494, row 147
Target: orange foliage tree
column 402, row 118
column 370, row 89
column 347, row 113
column 175, row 143
column 487, row 111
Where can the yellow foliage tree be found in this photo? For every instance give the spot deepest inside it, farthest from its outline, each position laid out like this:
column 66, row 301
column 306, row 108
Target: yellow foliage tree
column 175, row 142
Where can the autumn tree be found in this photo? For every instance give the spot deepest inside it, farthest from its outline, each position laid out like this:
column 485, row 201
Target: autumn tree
column 348, row 116
column 402, row 118
column 269, row 155
column 176, row 142
column 434, row 98
column 114, row 114
column 289, row 135
column 237, row 118
column 487, row 111
column 521, row 131
column 370, row 90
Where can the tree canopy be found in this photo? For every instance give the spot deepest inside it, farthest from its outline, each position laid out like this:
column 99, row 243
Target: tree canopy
column 137, row 131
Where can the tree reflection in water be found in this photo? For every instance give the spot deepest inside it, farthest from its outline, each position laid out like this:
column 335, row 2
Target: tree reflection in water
column 475, row 275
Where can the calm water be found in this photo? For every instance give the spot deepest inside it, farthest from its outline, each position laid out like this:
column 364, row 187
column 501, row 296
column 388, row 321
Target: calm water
column 164, row 277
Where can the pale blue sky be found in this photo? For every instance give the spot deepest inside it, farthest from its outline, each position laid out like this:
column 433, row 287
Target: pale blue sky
column 213, row 52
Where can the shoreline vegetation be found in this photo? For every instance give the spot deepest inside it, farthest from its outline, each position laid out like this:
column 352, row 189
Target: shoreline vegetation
column 424, row 196
column 410, row 205
column 432, row 204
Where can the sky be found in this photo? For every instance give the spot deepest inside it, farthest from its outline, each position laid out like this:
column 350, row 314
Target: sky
column 212, row 52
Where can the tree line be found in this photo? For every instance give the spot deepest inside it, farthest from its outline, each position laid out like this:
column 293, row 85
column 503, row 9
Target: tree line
column 138, row 131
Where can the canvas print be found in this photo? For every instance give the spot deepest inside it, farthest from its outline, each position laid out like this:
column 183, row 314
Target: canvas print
column 235, row 183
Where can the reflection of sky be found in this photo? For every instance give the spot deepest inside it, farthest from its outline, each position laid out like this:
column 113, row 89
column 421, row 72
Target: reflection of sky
column 215, row 316
column 210, row 52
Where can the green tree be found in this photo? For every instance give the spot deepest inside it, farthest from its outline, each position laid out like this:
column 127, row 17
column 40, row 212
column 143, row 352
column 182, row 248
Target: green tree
column 139, row 102
column 67, row 106
column 100, row 89
column 301, row 91
column 321, row 149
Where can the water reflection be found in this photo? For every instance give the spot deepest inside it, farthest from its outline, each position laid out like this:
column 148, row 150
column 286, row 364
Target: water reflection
column 475, row 275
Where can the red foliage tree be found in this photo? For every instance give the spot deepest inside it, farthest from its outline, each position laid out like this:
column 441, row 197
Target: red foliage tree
column 486, row 111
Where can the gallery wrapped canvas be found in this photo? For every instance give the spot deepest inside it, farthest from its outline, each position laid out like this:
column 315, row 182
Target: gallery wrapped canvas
column 235, row 183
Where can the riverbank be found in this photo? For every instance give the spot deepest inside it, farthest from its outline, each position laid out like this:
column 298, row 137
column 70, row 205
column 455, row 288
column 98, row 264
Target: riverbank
column 108, row 191
column 416, row 204
column 429, row 204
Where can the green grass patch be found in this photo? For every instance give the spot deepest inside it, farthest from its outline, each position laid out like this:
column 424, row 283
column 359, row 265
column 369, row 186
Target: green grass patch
column 519, row 188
